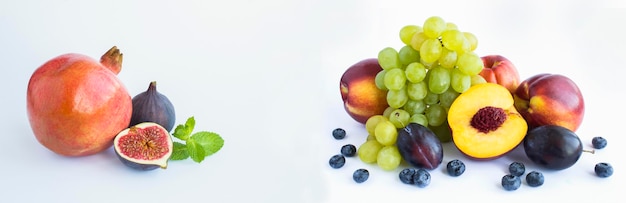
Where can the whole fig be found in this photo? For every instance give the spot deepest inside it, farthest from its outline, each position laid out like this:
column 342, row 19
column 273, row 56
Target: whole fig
column 152, row 106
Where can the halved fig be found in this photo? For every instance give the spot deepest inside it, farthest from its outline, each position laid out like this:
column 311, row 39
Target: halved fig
column 145, row 146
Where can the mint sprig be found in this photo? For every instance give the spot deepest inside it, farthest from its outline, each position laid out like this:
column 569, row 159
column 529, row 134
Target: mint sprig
column 197, row 145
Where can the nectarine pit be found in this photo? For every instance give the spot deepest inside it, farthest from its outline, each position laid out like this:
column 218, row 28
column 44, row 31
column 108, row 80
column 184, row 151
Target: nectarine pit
column 488, row 119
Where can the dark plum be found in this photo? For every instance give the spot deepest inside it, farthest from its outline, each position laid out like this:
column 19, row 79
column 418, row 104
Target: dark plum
column 553, row 147
column 419, row 146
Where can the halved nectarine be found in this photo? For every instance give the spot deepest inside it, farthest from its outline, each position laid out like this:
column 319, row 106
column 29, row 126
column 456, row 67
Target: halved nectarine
column 485, row 123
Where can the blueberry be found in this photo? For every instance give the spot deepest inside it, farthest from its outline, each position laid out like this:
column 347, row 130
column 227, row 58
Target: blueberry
column 598, row 142
column 517, row 169
column 603, row 170
column 360, row 175
column 455, row 167
column 534, row 179
column 511, row 182
column 348, row 150
column 406, row 175
column 421, row 178
column 337, row 161
column 339, row 133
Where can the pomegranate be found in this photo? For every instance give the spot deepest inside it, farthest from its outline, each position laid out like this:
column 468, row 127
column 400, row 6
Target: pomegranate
column 77, row 105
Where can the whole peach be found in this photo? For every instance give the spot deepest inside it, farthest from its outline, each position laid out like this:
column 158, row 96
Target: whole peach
column 361, row 98
column 500, row 70
column 550, row 99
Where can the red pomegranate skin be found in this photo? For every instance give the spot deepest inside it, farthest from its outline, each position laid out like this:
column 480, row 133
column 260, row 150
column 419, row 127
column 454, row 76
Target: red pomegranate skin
column 76, row 105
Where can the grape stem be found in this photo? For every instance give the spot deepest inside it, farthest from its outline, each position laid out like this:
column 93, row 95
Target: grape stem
column 589, row 151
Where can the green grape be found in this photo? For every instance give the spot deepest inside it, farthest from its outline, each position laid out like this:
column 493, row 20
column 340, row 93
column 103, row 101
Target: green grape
column 386, row 133
column 388, row 111
column 414, row 106
column 380, row 80
column 469, row 63
column 371, row 137
column 453, row 40
column 395, row 79
column 436, row 114
column 446, row 98
column 447, row 58
column 434, row 26
column 415, row 72
column 408, row 55
column 397, row 98
column 388, row 58
column 431, row 98
column 459, row 81
column 399, row 118
column 430, row 51
column 371, row 123
column 368, row 151
column 407, row 32
column 471, row 38
column 389, row 158
column 417, row 91
column 477, row 79
column 451, row 26
column 419, row 118
column 439, row 80
column 417, row 40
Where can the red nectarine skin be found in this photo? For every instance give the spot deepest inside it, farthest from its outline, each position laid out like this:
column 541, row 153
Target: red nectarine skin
column 76, row 105
column 500, row 70
column 362, row 99
column 550, row 99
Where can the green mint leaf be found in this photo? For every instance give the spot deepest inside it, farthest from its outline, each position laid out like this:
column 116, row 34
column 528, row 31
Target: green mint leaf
column 180, row 132
column 196, row 152
column 179, row 152
column 190, row 124
column 184, row 131
column 211, row 142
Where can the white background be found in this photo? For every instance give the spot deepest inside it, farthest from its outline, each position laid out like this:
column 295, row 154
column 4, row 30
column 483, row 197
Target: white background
column 265, row 75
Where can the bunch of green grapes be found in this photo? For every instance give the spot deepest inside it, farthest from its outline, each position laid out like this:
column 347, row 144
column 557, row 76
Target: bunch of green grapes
column 422, row 79
column 425, row 76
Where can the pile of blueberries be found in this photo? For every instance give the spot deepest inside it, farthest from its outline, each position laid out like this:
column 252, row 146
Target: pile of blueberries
column 421, row 177
column 348, row 150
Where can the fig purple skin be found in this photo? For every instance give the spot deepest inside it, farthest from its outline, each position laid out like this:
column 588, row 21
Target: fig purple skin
column 137, row 166
column 152, row 106
column 419, row 146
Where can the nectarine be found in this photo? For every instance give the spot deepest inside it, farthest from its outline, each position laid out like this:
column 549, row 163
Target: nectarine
column 550, row 99
column 361, row 98
column 500, row 70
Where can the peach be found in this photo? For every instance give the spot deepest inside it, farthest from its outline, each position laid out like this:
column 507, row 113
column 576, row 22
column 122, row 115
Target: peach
column 500, row 70
column 485, row 123
column 361, row 98
column 550, row 99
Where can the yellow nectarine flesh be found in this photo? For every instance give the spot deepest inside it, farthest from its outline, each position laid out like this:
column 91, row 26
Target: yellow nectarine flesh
column 485, row 123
